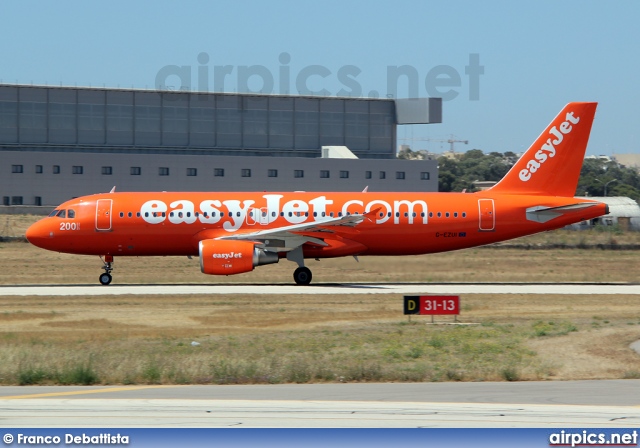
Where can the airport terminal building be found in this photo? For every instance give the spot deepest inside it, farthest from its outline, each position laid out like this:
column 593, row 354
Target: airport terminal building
column 60, row 142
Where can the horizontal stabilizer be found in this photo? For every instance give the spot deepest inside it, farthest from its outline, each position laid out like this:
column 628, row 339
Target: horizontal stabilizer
column 543, row 214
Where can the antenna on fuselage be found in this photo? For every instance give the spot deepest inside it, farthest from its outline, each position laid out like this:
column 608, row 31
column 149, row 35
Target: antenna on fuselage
column 113, row 190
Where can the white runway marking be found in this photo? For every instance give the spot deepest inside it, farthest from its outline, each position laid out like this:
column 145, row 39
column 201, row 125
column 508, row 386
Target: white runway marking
column 355, row 288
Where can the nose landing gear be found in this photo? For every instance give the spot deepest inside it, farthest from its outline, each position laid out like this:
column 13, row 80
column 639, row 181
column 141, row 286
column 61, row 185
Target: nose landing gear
column 106, row 278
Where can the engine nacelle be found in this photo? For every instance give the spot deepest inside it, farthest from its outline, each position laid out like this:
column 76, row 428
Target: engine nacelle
column 224, row 257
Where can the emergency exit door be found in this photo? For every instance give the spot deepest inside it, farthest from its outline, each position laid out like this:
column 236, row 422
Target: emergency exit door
column 487, row 215
column 103, row 215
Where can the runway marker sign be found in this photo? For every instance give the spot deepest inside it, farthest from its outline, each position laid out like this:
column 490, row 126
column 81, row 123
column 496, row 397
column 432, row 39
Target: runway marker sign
column 432, row 305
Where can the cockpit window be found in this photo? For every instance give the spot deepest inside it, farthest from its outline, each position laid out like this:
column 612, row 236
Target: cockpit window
column 53, row 213
column 71, row 213
column 62, row 214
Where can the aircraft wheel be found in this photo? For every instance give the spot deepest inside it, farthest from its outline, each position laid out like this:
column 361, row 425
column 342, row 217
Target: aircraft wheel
column 105, row 279
column 302, row 276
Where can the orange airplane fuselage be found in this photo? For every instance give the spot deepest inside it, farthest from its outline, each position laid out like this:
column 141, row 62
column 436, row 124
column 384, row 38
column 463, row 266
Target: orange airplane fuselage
column 395, row 223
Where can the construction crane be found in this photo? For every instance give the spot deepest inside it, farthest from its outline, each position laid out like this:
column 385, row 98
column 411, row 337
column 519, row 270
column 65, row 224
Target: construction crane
column 452, row 141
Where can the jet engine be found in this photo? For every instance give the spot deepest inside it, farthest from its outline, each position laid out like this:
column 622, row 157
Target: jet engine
column 222, row 257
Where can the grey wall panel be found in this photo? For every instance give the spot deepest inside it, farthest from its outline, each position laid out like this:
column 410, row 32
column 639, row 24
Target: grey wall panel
column 202, row 120
column 175, row 119
column 62, row 116
column 8, row 114
column 419, row 110
column 229, row 121
column 357, row 125
column 307, row 123
column 332, row 122
column 32, row 115
column 92, row 117
column 119, row 118
column 147, row 113
column 255, row 115
column 281, row 119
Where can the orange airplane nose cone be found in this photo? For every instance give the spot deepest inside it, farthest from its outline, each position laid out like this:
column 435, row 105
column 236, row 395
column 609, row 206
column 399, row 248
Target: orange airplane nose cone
column 38, row 233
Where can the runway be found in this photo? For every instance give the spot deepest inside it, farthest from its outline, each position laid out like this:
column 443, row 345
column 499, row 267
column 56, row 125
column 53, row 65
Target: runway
column 572, row 404
column 329, row 288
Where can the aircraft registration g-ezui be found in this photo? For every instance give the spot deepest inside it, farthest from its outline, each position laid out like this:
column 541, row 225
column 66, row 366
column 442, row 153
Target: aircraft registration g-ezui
column 233, row 233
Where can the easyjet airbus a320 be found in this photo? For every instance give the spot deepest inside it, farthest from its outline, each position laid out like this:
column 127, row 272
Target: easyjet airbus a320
column 233, row 233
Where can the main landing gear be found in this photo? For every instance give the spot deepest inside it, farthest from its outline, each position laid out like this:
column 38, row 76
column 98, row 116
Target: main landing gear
column 302, row 275
column 106, row 278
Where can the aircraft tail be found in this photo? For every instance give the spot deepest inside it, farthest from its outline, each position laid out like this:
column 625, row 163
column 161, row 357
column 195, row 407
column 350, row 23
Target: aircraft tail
column 551, row 166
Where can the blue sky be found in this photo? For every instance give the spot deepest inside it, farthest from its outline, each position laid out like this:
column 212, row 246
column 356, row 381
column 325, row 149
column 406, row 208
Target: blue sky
column 536, row 56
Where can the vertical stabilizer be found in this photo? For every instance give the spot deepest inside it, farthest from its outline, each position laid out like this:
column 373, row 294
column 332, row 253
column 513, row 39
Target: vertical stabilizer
column 551, row 166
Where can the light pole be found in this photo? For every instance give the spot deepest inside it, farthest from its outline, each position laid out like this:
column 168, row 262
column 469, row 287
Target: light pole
column 606, row 184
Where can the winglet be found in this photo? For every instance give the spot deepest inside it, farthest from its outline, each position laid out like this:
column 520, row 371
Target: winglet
column 551, row 166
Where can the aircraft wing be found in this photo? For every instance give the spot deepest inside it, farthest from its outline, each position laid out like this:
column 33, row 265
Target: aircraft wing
column 284, row 239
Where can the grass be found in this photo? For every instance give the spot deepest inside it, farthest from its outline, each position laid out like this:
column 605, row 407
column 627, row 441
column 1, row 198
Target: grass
column 367, row 353
column 250, row 340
